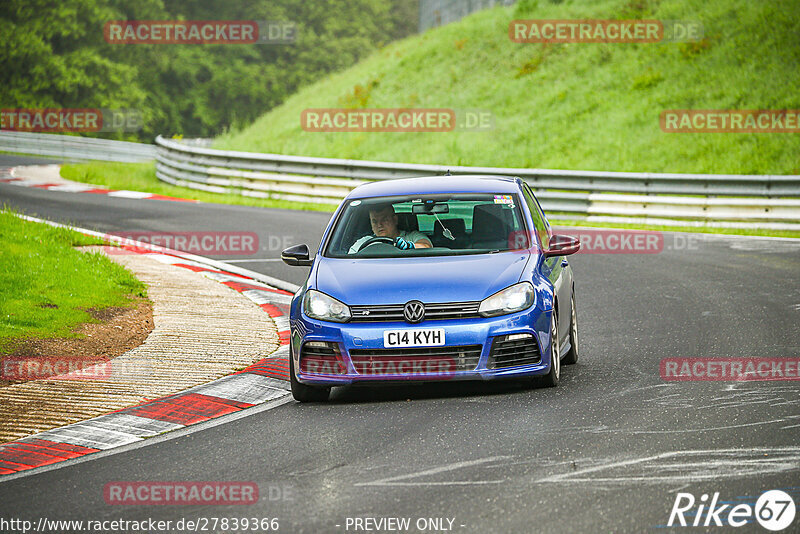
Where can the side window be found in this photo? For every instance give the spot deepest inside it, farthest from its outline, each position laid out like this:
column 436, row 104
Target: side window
column 537, row 216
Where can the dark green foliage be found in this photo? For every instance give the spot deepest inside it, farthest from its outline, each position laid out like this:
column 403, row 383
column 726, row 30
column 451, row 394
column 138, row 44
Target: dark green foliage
column 53, row 54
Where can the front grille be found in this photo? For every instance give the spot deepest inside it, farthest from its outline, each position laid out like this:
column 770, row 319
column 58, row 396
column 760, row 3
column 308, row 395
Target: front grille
column 321, row 358
column 511, row 353
column 418, row 360
column 394, row 312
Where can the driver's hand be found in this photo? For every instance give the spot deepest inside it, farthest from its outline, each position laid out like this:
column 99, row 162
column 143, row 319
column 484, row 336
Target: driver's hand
column 402, row 244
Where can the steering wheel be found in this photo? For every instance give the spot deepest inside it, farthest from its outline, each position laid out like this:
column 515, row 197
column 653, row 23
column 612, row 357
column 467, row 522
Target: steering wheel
column 378, row 239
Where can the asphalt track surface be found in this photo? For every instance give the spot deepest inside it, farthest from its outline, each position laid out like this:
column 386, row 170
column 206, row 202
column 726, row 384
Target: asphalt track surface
column 608, row 450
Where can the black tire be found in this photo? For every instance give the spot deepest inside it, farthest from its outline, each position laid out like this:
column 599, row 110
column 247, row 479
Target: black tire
column 304, row 393
column 571, row 357
column 550, row 380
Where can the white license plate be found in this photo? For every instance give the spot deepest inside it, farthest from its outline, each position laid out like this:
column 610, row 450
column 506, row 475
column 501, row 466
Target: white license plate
column 424, row 337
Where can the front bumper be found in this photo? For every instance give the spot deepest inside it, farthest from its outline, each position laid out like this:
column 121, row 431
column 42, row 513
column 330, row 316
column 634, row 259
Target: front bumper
column 481, row 332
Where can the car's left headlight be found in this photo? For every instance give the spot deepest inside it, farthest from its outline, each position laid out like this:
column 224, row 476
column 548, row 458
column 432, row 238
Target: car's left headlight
column 511, row 299
column 318, row 305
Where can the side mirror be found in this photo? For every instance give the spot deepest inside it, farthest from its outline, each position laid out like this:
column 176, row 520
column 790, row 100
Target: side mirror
column 562, row 245
column 296, row 256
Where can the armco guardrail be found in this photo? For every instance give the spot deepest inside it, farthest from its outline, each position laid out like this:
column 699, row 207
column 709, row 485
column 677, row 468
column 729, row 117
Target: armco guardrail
column 715, row 199
column 686, row 199
column 75, row 148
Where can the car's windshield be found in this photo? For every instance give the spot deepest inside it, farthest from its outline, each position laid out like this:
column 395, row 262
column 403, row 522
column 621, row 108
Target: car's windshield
column 432, row 225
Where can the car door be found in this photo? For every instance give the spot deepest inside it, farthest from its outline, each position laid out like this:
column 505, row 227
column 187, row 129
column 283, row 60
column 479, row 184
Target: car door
column 554, row 267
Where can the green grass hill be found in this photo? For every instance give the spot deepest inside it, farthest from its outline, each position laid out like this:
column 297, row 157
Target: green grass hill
column 566, row 106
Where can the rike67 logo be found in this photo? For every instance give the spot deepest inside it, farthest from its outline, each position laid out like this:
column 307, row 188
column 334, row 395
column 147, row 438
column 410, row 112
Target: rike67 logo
column 774, row 510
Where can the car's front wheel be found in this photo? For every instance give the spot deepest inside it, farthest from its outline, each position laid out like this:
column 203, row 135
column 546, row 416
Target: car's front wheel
column 551, row 379
column 304, row 393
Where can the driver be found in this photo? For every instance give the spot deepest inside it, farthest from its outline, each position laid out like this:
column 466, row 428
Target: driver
column 384, row 224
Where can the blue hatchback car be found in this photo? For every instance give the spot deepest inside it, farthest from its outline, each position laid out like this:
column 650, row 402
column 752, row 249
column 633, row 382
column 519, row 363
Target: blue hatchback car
column 439, row 278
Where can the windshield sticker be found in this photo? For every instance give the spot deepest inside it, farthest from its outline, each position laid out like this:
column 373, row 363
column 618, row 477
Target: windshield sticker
column 503, row 199
column 355, row 203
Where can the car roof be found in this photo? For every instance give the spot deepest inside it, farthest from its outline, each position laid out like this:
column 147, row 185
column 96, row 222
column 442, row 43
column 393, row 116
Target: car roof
column 436, row 184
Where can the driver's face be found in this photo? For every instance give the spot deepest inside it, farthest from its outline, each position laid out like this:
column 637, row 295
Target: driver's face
column 384, row 223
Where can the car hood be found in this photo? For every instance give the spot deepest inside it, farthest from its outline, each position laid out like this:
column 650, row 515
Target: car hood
column 428, row 279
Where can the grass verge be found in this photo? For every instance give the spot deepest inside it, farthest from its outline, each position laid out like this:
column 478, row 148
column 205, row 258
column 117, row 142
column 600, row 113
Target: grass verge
column 688, row 229
column 47, row 286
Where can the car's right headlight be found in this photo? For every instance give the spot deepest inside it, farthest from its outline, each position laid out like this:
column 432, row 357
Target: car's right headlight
column 509, row 300
column 318, row 305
